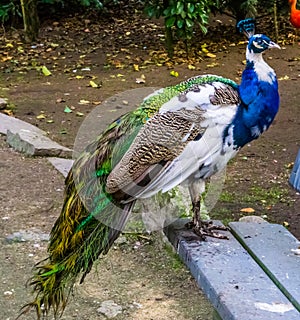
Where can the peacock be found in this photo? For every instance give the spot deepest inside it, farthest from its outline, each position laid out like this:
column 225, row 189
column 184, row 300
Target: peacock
column 180, row 134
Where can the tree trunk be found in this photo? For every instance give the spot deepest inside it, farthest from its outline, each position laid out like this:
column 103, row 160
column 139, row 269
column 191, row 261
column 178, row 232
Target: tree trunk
column 275, row 20
column 169, row 34
column 169, row 42
column 30, row 19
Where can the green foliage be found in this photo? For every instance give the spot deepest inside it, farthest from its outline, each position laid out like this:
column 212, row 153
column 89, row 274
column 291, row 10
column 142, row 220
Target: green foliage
column 252, row 8
column 182, row 16
column 9, row 10
column 93, row 3
column 240, row 9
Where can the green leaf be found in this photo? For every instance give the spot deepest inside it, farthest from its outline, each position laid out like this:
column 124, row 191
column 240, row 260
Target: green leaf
column 189, row 23
column 170, row 22
column 190, row 7
column 45, row 71
column 179, row 7
column 67, row 110
column 180, row 23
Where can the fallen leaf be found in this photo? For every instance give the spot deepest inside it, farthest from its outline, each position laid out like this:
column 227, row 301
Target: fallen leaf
column 247, row 210
column 212, row 65
column 8, row 112
column 140, row 80
column 82, row 101
column 286, row 77
column 285, row 224
column 191, row 67
column 93, row 84
column 41, row 116
column 45, row 71
column 79, row 114
column 136, row 67
column 174, row 73
column 50, row 121
column 67, row 110
column 210, row 55
column 79, row 77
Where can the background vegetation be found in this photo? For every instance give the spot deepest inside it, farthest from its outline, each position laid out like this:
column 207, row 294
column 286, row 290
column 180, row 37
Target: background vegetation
column 180, row 17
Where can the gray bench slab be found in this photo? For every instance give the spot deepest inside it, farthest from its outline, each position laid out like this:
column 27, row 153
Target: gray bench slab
column 295, row 175
column 236, row 285
column 26, row 138
column 274, row 248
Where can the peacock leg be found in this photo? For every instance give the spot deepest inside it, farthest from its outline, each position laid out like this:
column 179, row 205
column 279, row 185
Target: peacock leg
column 202, row 228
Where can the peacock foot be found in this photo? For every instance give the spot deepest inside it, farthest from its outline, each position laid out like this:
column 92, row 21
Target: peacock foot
column 205, row 229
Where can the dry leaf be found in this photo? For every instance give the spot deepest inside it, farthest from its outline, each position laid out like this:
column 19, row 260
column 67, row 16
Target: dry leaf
column 285, row 224
column 247, row 210
column 286, row 77
column 212, row 65
column 9, row 112
column 41, row 116
column 210, row 55
column 174, row 73
column 140, row 80
column 93, row 84
column 82, row 101
column 136, row 67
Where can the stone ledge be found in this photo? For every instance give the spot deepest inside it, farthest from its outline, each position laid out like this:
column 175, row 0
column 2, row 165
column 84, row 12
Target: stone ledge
column 32, row 141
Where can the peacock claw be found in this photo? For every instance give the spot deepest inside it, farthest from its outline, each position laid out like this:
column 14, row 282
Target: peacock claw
column 205, row 229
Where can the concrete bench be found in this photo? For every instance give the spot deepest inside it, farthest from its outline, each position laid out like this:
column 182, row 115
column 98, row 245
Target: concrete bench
column 295, row 175
column 253, row 275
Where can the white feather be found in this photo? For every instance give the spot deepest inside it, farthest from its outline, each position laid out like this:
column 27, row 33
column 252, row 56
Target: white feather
column 263, row 70
column 206, row 153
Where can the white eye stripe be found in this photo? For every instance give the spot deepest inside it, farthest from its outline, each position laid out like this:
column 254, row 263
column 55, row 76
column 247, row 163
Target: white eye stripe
column 256, row 45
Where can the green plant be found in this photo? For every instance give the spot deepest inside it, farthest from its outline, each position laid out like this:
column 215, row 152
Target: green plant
column 180, row 18
column 9, row 10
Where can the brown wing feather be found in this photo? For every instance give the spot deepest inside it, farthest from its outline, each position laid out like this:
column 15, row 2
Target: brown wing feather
column 160, row 141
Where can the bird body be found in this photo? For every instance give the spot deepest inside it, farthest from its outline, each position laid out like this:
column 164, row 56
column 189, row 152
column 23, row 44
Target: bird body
column 294, row 14
column 180, row 134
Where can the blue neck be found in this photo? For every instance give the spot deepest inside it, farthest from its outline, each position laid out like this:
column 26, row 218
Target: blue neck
column 259, row 103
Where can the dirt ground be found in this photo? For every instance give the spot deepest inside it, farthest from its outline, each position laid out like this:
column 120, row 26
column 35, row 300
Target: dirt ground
column 141, row 275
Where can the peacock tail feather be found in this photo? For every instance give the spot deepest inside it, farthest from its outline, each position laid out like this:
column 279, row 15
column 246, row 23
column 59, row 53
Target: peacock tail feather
column 91, row 219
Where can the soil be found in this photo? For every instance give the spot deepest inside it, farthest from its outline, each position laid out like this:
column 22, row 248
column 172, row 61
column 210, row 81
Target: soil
column 141, row 275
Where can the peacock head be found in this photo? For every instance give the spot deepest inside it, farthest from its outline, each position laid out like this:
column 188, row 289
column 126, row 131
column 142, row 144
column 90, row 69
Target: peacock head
column 258, row 43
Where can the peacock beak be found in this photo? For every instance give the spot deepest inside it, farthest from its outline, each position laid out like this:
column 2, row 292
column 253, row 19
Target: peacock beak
column 273, row 45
